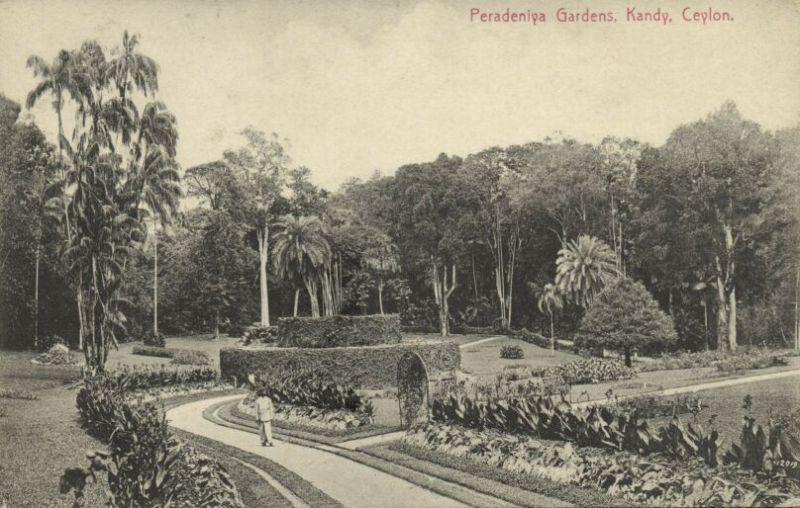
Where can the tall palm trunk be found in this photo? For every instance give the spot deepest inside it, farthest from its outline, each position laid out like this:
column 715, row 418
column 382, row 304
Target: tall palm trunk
column 797, row 308
column 67, row 228
column 155, row 279
column 296, row 300
column 312, row 289
column 552, row 333
column 263, row 250
column 36, row 298
column 380, row 295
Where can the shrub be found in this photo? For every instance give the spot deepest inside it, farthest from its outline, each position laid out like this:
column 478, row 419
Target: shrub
column 533, row 338
column 161, row 352
column 48, row 341
column 311, row 388
column 146, row 377
column 339, row 331
column 261, row 335
column 545, row 417
column 589, row 371
column 754, row 359
column 179, row 356
column 625, row 318
column 190, row 357
column 154, row 340
column 511, row 351
column 642, row 481
column 58, row 354
column 363, row 367
column 146, row 464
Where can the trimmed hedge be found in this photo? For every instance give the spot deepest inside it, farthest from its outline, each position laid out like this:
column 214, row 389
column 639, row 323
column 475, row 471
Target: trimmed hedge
column 362, row 367
column 338, row 331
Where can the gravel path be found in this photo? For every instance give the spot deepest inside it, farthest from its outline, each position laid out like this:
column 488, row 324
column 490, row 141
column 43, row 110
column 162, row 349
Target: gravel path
column 349, row 482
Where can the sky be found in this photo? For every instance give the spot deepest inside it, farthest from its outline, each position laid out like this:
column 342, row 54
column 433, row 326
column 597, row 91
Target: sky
column 360, row 86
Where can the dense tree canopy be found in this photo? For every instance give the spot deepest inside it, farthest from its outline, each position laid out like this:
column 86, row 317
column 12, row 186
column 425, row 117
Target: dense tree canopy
column 103, row 235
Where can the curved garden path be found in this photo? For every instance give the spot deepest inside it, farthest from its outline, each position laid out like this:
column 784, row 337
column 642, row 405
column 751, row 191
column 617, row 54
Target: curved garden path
column 349, row 482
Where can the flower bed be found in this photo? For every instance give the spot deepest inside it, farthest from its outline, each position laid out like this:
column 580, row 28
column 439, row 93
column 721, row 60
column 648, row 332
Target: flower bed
column 743, row 358
column 589, row 371
column 653, row 480
column 260, row 335
column 146, row 463
column 512, row 352
column 308, row 416
column 179, row 356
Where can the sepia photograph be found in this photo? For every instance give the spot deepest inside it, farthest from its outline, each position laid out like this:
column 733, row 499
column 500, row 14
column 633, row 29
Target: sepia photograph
column 399, row 253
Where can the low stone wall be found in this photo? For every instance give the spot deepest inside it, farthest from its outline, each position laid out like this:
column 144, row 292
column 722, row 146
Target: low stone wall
column 363, row 367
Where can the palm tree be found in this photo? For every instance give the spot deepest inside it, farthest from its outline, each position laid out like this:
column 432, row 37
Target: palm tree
column 60, row 78
column 550, row 301
column 131, row 69
column 159, row 191
column 300, row 248
column 156, row 183
column 103, row 234
column 583, row 267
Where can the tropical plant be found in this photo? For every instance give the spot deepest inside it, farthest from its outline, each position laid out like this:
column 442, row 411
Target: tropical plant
column 584, row 266
column 300, row 249
column 550, row 301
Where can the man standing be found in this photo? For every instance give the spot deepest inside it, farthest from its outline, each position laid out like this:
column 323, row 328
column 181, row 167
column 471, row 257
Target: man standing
column 265, row 412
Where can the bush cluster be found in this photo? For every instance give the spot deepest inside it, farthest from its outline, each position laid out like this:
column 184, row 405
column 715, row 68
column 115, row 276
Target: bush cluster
column 589, row 371
column 300, row 387
column 650, row 481
column 146, row 465
column 179, row 356
column 731, row 360
column 511, row 351
column 154, row 339
column 138, row 378
column 190, row 357
column 534, row 338
column 754, row 359
column 362, row 367
column 48, row 341
column 619, row 429
column 261, row 335
column 58, row 354
column 339, row 331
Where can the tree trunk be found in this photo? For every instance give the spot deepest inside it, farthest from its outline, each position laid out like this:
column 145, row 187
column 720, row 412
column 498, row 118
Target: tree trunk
column 263, row 250
column 380, row 295
column 311, row 288
column 441, row 293
column 732, row 319
column 296, row 300
column 474, row 278
column 628, row 362
column 155, row 280
column 722, row 315
column 797, row 308
column 216, row 324
column 36, row 299
column 552, row 333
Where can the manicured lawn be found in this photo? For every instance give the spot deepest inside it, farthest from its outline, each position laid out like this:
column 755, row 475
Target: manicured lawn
column 483, row 360
column 771, row 398
column 647, row 382
column 457, row 338
column 202, row 343
column 40, row 438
